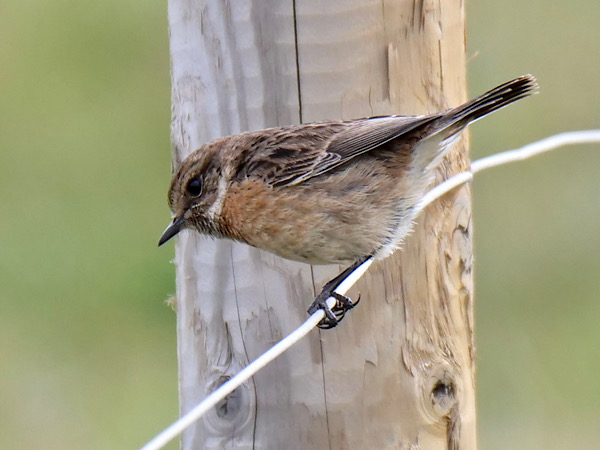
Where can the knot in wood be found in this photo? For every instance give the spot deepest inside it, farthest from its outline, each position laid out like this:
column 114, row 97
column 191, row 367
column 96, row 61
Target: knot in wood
column 232, row 413
column 440, row 392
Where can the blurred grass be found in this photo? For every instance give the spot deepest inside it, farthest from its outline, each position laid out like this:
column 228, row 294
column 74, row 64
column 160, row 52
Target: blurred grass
column 536, row 229
column 88, row 351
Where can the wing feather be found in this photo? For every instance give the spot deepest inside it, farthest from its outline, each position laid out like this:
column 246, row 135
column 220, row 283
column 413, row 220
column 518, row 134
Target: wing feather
column 297, row 154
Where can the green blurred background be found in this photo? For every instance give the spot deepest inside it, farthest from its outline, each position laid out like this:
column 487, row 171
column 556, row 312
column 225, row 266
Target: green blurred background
column 88, row 351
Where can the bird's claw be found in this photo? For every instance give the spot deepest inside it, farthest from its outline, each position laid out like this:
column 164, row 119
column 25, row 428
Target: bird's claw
column 332, row 315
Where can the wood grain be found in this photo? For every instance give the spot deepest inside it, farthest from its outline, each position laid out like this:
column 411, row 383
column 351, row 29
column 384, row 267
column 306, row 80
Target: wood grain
column 398, row 372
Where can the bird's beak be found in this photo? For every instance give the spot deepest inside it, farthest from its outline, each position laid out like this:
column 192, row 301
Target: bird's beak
column 173, row 228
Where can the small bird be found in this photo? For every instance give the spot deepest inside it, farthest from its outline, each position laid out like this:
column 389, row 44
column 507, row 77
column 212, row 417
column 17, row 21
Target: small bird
column 326, row 192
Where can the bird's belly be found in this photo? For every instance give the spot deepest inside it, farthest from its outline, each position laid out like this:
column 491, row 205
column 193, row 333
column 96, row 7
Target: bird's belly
column 308, row 224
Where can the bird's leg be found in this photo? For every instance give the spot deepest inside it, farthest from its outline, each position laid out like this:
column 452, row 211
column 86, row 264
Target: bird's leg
column 334, row 315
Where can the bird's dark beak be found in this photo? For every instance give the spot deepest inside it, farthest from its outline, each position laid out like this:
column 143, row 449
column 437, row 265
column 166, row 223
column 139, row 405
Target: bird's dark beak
column 173, row 228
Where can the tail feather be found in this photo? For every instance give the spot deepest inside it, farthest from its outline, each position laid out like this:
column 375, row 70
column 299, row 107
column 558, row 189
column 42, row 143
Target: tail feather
column 495, row 99
column 452, row 122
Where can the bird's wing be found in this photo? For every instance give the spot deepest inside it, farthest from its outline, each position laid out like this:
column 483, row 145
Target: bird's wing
column 296, row 154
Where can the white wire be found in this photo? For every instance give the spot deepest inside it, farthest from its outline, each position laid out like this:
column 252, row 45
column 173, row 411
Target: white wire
column 550, row 143
column 227, row 388
column 535, row 148
column 527, row 151
column 443, row 188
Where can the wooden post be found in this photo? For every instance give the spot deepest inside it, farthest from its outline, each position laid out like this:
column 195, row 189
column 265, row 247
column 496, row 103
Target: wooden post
column 398, row 371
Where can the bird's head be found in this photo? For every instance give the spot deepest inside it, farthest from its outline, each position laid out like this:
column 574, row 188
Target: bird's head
column 196, row 193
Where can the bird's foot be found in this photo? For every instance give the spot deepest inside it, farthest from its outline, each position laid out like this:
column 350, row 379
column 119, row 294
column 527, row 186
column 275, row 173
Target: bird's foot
column 334, row 315
column 342, row 303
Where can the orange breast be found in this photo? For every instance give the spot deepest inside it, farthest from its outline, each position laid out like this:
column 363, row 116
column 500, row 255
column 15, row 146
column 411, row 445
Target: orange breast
column 336, row 221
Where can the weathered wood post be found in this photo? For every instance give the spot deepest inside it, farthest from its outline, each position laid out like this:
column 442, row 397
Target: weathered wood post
column 398, row 372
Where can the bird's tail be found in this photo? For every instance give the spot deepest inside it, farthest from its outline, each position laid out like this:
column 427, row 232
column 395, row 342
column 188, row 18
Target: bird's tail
column 493, row 100
column 452, row 122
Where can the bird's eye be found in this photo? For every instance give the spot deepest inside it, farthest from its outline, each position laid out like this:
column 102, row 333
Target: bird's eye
column 194, row 187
